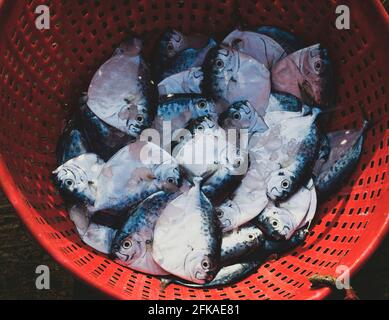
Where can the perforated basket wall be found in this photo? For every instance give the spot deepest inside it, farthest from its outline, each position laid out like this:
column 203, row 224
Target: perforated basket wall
column 42, row 74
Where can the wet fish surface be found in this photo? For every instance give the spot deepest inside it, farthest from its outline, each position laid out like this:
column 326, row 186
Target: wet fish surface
column 207, row 153
column 132, row 245
column 103, row 139
column 238, row 244
column 288, row 41
column 134, row 173
column 77, row 178
column 307, row 74
column 241, row 115
column 293, row 145
column 72, row 142
column 232, row 76
column 187, row 81
column 177, row 52
column 346, row 147
column 226, row 276
column 188, row 225
column 281, row 221
column 122, row 93
column 175, row 112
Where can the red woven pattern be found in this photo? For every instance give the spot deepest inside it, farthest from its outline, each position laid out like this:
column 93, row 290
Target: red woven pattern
column 42, row 74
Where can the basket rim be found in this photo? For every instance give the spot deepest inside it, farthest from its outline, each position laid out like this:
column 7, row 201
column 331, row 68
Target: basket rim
column 26, row 213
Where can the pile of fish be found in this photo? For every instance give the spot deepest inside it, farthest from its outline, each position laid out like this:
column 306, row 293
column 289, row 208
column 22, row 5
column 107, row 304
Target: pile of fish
column 199, row 162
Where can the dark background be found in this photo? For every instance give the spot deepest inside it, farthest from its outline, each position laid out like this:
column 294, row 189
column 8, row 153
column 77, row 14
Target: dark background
column 20, row 254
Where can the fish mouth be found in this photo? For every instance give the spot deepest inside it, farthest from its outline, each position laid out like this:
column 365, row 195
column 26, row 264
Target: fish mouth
column 227, row 223
column 274, row 194
column 123, row 257
column 207, row 277
column 176, row 36
column 277, row 236
column 134, row 129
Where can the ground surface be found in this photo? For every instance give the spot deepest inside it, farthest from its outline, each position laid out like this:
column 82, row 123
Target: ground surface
column 20, row 255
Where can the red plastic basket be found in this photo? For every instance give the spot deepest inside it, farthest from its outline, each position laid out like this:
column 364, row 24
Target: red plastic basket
column 42, row 73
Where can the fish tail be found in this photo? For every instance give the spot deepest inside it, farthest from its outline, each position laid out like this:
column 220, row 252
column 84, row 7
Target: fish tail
column 316, row 112
column 368, row 124
column 197, row 181
column 165, row 283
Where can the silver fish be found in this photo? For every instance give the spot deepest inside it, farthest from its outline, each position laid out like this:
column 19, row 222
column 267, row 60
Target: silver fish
column 134, row 173
column 240, row 243
column 102, row 138
column 292, row 144
column 283, row 106
column 232, row 76
column 94, row 235
column 177, row 52
column 307, row 74
column 72, row 142
column 175, row 112
column 233, row 273
column 99, row 237
column 280, row 247
column 210, row 155
column 187, row 237
column 242, row 116
column 345, row 150
column 249, row 199
column 122, row 93
column 259, row 46
column 187, row 81
column 280, row 222
column 77, row 178
column 132, row 246
column 288, row 41
column 226, row 276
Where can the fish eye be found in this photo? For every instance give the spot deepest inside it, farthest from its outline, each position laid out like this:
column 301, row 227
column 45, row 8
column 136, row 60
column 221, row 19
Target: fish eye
column 127, row 244
column 219, row 63
column 274, row 223
column 285, row 184
column 219, row 213
column 205, row 264
column 202, row 104
column 237, row 163
column 318, row 66
column 251, row 236
column 170, row 180
column 236, row 116
column 69, row 183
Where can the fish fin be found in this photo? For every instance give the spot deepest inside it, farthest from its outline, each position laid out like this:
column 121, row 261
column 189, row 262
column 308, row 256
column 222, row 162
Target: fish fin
column 197, row 181
column 150, row 176
column 206, row 175
column 236, row 44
